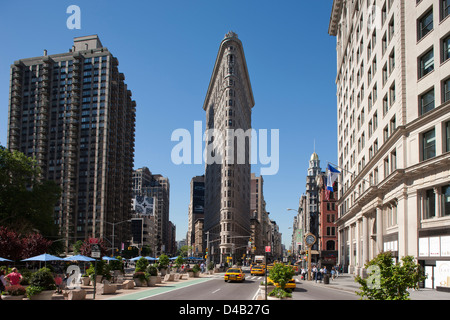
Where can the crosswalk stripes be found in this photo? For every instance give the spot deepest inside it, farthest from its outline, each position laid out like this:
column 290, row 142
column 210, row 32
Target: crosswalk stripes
column 255, row 278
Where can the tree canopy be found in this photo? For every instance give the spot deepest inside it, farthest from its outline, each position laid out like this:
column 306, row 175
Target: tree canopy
column 26, row 201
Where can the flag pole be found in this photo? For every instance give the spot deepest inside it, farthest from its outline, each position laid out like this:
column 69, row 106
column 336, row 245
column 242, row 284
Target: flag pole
column 328, row 162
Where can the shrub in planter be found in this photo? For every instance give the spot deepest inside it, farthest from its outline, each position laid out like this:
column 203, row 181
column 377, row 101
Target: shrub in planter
column 196, row 268
column 15, row 290
column 103, row 269
column 40, row 281
column 280, row 293
column 152, row 270
column 141, row 265
column 163, row 262
column 117, row 264
column 281, row 275
column 140, row 278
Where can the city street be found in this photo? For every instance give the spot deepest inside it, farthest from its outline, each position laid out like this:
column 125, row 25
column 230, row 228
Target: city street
column 215, row 288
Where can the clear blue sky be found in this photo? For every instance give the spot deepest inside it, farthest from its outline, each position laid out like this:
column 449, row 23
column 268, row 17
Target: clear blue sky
column 167, row 50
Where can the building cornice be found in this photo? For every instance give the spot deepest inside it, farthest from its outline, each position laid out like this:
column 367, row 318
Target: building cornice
column 335, row 16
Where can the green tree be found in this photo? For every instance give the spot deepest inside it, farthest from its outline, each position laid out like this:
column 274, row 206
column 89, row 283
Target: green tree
column 281, row 275
column 388, row 280
column 26, row 201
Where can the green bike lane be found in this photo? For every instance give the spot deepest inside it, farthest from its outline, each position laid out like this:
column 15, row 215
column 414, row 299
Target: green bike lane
column 159, row 289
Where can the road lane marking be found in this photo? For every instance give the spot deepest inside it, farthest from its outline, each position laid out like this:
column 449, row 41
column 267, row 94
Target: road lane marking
column 215, row 291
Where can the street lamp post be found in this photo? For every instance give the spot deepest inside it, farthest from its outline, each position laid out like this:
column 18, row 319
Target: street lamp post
column 113, row 226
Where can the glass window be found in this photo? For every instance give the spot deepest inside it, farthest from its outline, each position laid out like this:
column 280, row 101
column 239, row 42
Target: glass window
column 426, row 63
column 446, row 90
column 425, row 24
column 447, row 136
column 445, row 8
column 429, row 205
column 446, row 48
column 429, row 145
column 427, row 102
column 445, row 200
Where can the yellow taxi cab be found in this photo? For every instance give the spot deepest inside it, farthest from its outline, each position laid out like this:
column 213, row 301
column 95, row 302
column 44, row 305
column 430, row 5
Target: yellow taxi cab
column 234, row 274
column 257, row 270
column 290, row 285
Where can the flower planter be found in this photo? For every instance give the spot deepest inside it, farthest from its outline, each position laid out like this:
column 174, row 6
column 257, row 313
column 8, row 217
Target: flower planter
column 190, row 274
column 85, row 281
column 43, row 295
column 152, row 281
column 10, row 297
column 163, row 272
column 139, row 282
column 196, row 274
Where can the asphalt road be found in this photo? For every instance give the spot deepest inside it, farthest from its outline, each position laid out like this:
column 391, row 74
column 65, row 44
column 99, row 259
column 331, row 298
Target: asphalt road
column 215, row 289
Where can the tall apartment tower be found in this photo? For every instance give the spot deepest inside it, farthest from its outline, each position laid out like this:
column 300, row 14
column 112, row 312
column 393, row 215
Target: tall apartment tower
column 260, row 222
column 228, row 105
column 393, row 106
column 158, row 187
column 74, row 113
column 196, row 212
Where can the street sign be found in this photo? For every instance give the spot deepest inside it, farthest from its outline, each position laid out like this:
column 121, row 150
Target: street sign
column 95, row 250
column 267, row 248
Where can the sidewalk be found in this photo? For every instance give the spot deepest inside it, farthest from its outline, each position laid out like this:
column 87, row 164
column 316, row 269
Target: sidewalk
column 346, row 282
column 122, row 293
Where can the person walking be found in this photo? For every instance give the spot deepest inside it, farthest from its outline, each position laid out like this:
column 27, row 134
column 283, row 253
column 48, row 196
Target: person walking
column 314, row 270
column 3, row 283
column 14, row 277
column 333, row 273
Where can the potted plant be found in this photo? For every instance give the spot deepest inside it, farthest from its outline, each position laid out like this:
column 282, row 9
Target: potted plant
column 178, row 263
column 163, row 264
column 196, row 270
column 85, row 280
column 152, row 274
column 140, row 279
column 280, row 274
column 15, row 292
column 210, row 267
column 42, row 285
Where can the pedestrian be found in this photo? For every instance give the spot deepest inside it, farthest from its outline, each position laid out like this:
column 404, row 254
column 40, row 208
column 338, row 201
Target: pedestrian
column 3, row 283
column 333, row 273
column 314, row 270
column 202, row 267
column 14, row 277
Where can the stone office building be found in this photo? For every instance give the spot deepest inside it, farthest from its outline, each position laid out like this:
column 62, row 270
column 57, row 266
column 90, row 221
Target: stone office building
column 393, row 106
column 228, row 105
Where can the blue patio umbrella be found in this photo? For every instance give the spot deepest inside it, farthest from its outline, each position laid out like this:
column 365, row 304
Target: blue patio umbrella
column 78, row 257
column 44, row 257
column 173, row 258
column 136, row 258
column 151, row 258
column 109, row 258
column 3, row 259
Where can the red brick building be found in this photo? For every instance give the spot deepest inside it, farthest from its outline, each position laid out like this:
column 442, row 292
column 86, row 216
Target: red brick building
column 328, row 236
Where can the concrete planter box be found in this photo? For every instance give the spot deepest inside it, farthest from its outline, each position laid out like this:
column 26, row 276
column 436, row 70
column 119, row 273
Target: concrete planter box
column 85, row 281
column 43, row 295
column 10, row 297
column 152, row 281
column 139, row 283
